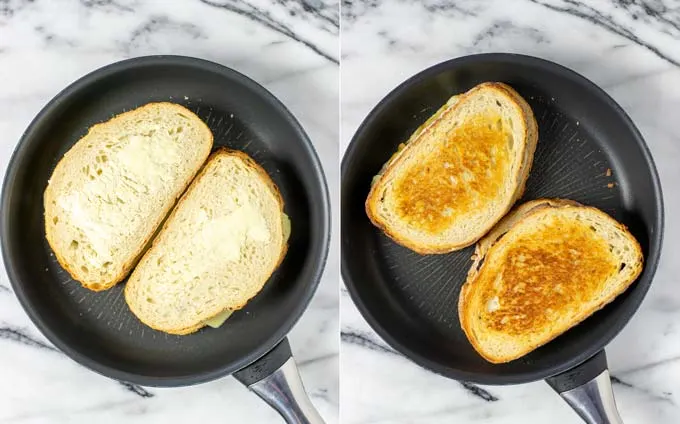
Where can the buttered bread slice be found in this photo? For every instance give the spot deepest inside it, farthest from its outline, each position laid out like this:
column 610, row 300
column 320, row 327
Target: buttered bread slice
column 547, row 266
column 113, row 188
column 459, row 173
column 216, row 251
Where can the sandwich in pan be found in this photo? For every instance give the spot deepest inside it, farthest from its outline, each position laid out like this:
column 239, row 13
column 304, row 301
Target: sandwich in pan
column 458, row 174
column 538, row 271
column 217, row 249
column 547, row 266
column 112, row 190
column 552, row 282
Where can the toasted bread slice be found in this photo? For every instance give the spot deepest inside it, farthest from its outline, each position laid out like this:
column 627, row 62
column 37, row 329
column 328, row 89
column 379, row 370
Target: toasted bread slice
column 221, row 243
column 459, row 173
column 547, row 266
column 113, row 188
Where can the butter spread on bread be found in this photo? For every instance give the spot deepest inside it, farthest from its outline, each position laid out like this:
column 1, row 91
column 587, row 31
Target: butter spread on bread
column 113, row 188
column 218, row 248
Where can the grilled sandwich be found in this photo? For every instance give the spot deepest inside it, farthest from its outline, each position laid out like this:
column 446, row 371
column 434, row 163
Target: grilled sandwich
column 547, row 266
column 458, row 174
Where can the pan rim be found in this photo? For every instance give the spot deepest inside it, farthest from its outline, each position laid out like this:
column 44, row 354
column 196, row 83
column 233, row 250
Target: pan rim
column 322, row 207
column 652, row 260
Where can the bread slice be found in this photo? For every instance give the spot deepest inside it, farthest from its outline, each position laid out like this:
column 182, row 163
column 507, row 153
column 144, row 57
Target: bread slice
column 113, row 188
column 216, row 250
column 459, row 173
column 547, row 266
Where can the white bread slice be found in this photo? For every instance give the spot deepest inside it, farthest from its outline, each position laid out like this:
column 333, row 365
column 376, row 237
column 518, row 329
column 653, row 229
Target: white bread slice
column 221, row 243
column 113, row 188
column 459, row 173
column 547, row 266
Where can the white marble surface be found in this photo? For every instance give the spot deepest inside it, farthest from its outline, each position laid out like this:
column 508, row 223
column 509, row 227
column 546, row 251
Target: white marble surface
column 289, row 47
column 632, row 50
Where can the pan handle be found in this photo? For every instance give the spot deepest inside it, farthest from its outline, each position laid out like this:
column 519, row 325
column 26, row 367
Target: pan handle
column 587, row 388
column 276, row 380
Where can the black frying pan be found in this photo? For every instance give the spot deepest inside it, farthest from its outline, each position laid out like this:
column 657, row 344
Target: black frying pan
column 97, row 329
column 411, row 300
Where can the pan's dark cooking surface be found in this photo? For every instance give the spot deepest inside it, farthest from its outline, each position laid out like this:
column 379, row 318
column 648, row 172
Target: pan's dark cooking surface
column 98, row 329
column 588, row 151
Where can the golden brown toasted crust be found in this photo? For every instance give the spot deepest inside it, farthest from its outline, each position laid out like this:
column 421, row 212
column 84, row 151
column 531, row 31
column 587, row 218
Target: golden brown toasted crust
column 127, row 267
column 531, row 137
column 222, row 151
column 419, row 194
column 481, row 249
column 528, row 149
column 527, row 312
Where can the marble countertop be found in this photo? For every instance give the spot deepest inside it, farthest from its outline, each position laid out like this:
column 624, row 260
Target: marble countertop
column 289, row 47
column 629, row 48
